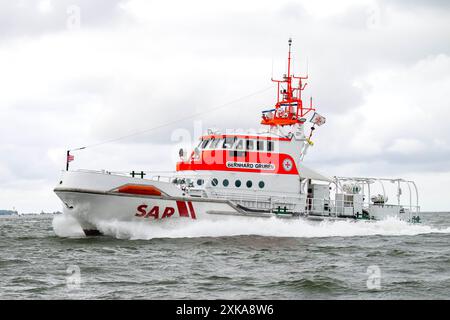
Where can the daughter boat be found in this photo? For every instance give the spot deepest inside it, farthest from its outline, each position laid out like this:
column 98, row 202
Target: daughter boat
column 235, row 175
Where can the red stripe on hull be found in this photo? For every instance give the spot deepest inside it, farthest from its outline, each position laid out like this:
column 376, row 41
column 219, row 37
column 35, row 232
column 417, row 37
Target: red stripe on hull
column 191, row 209
column 182, row 209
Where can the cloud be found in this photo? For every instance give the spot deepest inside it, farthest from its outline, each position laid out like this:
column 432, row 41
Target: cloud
column 399, row 131
column 419, row 4
column 38, row 17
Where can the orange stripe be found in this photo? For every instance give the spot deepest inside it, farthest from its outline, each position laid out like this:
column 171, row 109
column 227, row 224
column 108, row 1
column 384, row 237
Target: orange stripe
column 140, row 189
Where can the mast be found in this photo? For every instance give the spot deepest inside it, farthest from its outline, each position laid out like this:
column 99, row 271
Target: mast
column 289, row 108
column 289, row 68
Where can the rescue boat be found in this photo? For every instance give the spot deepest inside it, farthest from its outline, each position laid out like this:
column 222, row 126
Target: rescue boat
column 238, row 175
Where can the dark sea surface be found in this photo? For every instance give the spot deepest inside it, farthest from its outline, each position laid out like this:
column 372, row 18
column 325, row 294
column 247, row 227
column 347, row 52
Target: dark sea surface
column 268, row 259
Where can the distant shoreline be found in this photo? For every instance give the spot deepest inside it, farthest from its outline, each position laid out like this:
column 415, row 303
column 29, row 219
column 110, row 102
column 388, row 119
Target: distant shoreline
column 16, row 213
column 8, row 212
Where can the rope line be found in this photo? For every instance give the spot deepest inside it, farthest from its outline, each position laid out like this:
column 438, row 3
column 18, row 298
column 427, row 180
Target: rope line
column 174, row 121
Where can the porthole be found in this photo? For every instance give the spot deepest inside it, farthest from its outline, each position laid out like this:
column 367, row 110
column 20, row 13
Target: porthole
column 261, row 184
column 249, row 184
column 237, row 183
column 200, row 182
column 214, row 182
column 225, row 183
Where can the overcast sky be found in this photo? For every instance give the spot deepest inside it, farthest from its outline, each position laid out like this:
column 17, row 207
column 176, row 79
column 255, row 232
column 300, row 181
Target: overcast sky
column 75, row 73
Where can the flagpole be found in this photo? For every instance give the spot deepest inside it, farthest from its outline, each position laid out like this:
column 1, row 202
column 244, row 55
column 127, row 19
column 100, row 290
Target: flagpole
column 67, row 160
column 70, row 157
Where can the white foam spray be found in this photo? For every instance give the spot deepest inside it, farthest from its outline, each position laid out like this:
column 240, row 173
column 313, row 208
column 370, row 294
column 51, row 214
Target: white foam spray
column 261, row 226
column 65, row 225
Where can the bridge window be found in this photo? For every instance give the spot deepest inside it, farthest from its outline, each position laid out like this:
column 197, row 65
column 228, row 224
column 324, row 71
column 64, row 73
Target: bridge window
column 214, row 182
column 237, row 183
column 228, row 143
column 240, row 145
column 250, row 144
column 225, row 183
column 249, row 184
column 260, row 145
column 205, row 143
column 218, row 143
column 269, row 145
column 214, row 143
column 235, row 153
column 261, row 184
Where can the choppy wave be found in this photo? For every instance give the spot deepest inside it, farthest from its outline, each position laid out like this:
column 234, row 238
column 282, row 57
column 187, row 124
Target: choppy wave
column 65, row 226
column 315, row 284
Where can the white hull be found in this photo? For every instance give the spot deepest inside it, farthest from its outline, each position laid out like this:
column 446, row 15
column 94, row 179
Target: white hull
column 93, row 197
column 90, row 206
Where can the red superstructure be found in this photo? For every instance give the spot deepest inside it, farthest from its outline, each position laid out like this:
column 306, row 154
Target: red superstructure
column 244, row 136
column 289, row 108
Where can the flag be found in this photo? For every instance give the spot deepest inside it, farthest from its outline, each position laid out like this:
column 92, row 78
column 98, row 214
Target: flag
column 317, row 119
column 70, row 157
